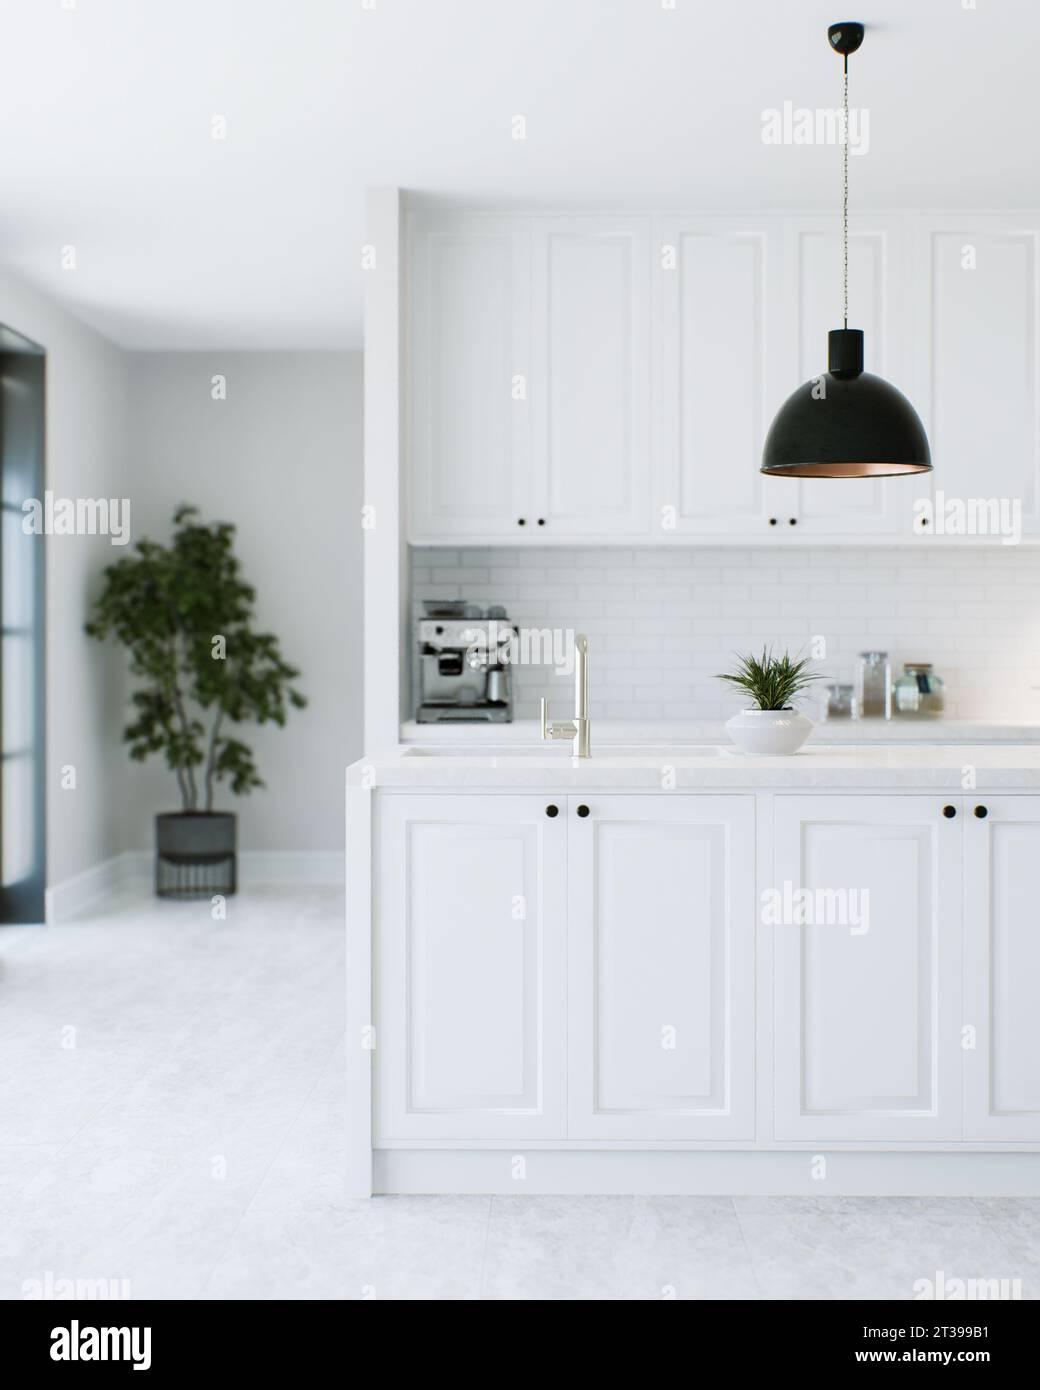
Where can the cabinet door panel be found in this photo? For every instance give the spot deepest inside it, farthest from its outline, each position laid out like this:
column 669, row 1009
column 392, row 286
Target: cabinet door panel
column 876, row 275
column 980, row 340
column 717, row 285
column 1002, row 970
column 865, row 908
column 591, row 390
column 661, row 999
column 471, row 968
column 468, row 441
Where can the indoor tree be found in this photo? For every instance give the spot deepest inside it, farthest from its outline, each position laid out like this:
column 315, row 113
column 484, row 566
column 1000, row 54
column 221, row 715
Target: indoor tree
column 185, row 615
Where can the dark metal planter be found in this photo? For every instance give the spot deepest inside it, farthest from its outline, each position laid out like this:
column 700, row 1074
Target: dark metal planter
column 195, row 854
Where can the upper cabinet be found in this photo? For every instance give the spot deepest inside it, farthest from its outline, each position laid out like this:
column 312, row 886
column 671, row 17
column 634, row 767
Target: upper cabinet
column 717, row 319
column 590, row 377
column 976, row 336
column 602, row 378
column 811, row 307
column 468, row 330
column 529, row 378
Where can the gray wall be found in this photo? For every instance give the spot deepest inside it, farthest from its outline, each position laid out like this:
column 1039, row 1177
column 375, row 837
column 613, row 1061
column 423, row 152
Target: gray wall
column 281, row 457
column 86, row 457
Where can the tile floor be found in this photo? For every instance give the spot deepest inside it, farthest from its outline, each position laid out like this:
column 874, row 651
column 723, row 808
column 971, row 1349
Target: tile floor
column 171, row 1114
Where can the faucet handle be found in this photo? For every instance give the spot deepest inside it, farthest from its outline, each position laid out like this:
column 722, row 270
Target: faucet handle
column 552, row 730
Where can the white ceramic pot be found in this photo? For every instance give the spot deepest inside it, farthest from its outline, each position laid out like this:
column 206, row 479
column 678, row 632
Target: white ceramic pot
column 771, row 733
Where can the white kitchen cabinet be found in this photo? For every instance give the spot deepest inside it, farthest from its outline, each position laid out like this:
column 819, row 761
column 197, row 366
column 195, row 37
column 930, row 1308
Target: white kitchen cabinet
column 812, row 306
column 590, row 387
column 661, row 925
column 647, row 972
column 717, row 323
column 529, row 378
column 977, row 338
column 471, row 968
column 1001, row 1042
column 468, row 463
column 867, row 1022
column 596, row 377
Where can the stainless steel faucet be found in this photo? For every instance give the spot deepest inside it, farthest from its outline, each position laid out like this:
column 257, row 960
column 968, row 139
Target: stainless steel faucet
column 580, row 728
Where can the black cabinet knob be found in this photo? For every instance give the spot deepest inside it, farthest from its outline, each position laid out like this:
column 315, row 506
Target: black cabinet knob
column 772, row 521
column 981, row 812
column 541, row 521
column 521, row 521
column 583, row 811
column 551, row 811
column 949, row 812
column 792, row 521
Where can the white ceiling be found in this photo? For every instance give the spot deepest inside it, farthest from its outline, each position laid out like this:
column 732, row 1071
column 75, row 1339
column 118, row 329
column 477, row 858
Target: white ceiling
column 186, row 242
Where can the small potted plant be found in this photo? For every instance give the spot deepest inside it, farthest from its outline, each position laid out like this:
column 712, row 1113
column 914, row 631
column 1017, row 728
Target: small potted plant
column 771, row 726
column 185, row 615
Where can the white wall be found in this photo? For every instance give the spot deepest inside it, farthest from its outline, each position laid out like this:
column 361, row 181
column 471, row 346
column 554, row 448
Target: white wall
column 662, row 623
column 281, row 457
column 86, row 457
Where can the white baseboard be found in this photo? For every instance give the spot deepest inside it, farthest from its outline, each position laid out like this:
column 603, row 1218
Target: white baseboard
column 257, row 868
column 772, row 1173
column 71, row 896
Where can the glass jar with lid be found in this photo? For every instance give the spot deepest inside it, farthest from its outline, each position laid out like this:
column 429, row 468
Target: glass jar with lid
column 841, row 702
column 874, row 685
column 919, row 693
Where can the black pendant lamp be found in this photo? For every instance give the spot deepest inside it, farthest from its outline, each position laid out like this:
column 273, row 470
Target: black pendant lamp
column 846, row 423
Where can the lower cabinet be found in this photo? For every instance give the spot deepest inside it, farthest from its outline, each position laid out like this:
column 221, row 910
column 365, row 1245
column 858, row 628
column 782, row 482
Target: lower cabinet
column 867, row 969
column 471, row 968
column 1001, row 1030
column 483, row 1023
column 661, row 999
column 583, row 968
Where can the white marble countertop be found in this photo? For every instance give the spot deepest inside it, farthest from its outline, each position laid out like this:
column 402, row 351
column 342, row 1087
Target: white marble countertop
column 666, row 767
column 843, row 731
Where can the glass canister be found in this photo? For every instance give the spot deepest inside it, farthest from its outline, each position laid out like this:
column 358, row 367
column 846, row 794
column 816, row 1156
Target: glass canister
column 874, row 686
column 919, row 692
column 841, row 702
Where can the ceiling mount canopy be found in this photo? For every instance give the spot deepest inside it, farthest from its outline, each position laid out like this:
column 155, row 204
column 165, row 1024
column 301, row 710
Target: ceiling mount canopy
column 846, row 423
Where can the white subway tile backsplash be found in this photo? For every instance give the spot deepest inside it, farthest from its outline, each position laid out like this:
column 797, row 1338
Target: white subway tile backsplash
column 662, row 623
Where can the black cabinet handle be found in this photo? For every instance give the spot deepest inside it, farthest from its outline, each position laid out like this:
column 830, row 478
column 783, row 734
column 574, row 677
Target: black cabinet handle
column 541, row 521
column 551, row 811
column 792, row 521
column 583, row 811
column 772, row 521
column 981, row 812
column 949, row 812
column 521, row 521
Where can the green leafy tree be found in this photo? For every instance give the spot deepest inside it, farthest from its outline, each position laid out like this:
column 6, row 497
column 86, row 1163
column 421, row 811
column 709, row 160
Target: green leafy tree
column 185, row 615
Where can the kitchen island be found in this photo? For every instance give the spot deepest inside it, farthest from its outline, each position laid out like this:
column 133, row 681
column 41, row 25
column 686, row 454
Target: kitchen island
column 680, row 969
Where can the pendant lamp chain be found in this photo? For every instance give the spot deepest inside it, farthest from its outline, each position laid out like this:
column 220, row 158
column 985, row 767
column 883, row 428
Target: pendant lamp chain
column 845, row 201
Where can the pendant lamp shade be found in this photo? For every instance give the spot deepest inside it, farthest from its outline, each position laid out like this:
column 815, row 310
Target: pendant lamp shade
column 846, row 423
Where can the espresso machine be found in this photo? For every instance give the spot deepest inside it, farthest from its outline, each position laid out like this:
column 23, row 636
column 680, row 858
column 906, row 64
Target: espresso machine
column 464, row 664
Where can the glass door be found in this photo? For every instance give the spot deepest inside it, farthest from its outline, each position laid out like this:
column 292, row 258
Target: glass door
column 22, row 821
